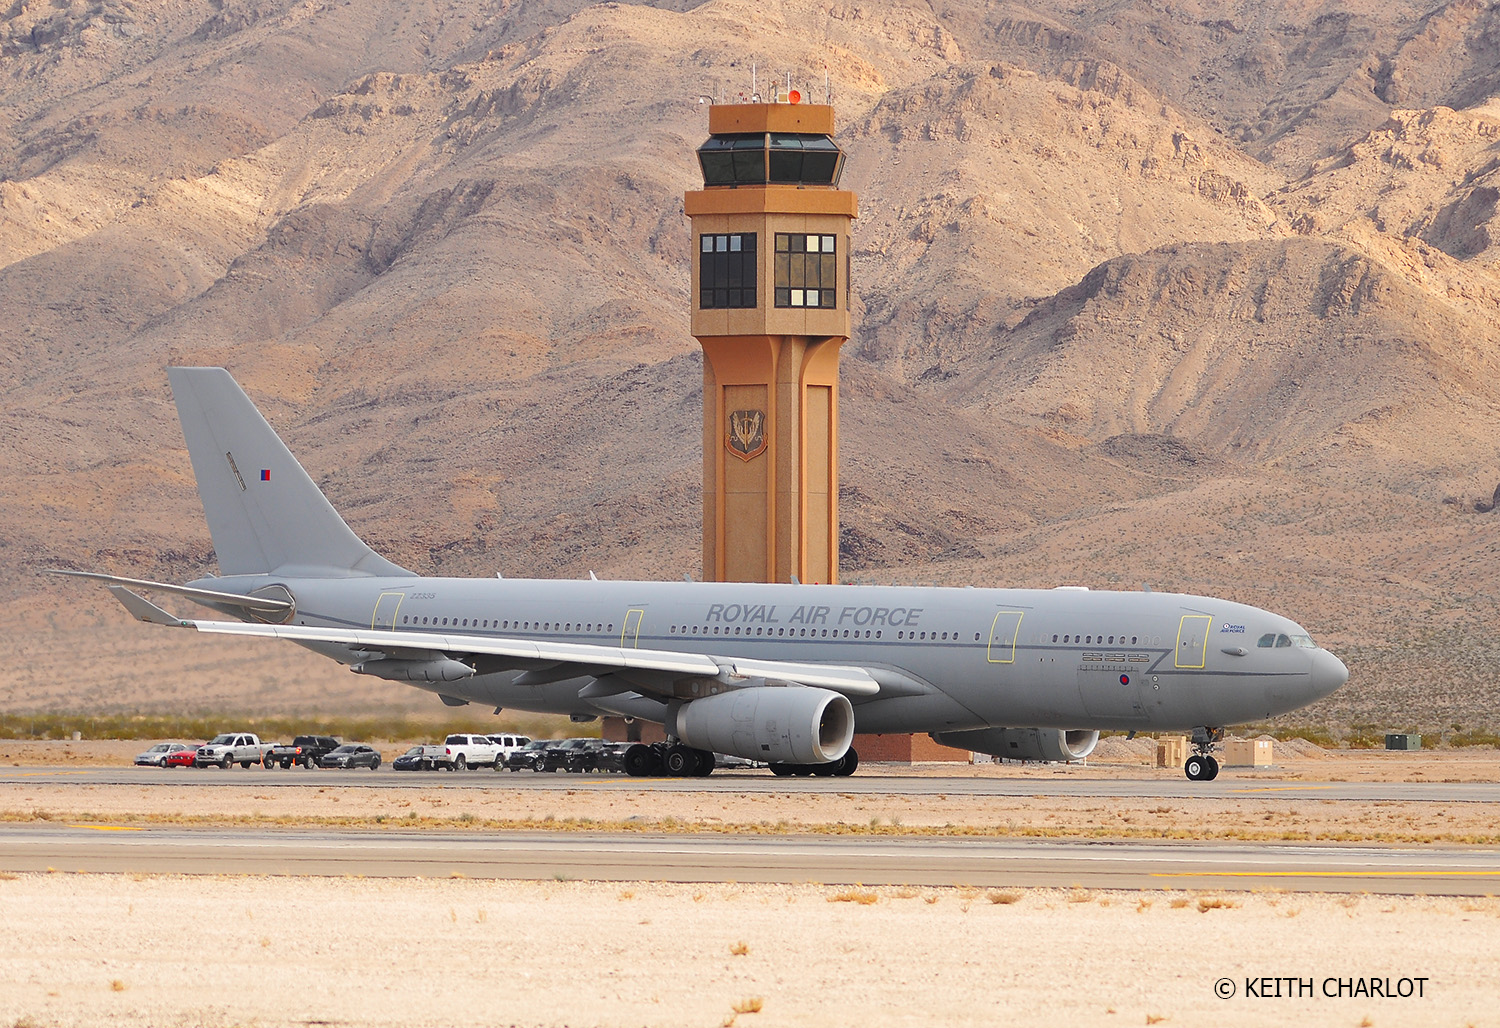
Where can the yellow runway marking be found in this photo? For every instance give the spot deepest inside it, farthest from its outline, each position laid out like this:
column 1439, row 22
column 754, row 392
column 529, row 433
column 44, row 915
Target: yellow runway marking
column 1324, row 874
column 108, row 828
column 49, row 774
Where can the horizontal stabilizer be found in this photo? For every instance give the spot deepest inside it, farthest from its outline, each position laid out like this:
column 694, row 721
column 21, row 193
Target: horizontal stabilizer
column 204, row 595
column 143, row 609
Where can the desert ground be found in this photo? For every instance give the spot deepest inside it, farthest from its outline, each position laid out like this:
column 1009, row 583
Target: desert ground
column 168, row 951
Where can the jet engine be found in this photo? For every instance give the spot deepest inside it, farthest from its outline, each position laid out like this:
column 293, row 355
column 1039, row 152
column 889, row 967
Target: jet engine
column 1023, row 743
column 776, row 724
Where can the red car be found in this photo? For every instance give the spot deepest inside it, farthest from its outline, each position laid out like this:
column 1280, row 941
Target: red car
column 182, row 758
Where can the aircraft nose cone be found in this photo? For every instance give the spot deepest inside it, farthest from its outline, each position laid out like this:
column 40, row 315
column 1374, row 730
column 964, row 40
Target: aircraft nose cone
column 1328, row 674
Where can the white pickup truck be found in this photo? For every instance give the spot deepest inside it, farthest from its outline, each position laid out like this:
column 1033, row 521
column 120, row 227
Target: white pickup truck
column 465, row 752
column 243, row 748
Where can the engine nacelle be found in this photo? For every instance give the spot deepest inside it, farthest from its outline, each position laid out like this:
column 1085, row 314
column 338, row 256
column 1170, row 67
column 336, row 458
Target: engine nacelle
column 776, row 724
column 1024, row 743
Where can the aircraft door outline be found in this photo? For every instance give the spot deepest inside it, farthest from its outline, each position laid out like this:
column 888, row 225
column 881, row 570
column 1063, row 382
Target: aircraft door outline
column 387, row 606
column 630, row 631
column 1192, row 641
column 1005, row 631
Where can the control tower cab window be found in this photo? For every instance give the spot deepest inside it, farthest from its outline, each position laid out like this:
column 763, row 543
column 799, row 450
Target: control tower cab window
column 726, row 271
column 806, row 270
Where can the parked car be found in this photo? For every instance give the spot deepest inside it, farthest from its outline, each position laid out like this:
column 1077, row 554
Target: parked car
column 157, row 755
column 570, row 755
column 413, row 759
column 612, row 756
column 461, row 752
column 242, row 748
column 306, row 750
column 507, row 744
column 528, row 757
column 352, row 755
column 186, row 757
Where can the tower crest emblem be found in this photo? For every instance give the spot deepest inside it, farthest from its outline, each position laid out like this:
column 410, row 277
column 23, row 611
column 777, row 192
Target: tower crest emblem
column 747, row 433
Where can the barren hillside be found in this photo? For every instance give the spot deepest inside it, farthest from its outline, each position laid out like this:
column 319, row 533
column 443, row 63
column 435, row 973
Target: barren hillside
column 1200, row 295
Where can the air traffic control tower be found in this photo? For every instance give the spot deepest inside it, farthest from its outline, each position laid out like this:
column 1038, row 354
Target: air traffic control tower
column 770, row 306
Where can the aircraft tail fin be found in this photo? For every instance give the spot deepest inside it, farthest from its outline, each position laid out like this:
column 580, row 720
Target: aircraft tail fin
column 264, row 513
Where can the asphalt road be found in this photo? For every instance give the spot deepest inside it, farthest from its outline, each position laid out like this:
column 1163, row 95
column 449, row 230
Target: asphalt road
column 984, row 863
column 1065, row 782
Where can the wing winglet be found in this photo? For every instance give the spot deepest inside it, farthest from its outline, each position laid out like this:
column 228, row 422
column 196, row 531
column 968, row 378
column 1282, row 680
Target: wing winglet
column 143, row 609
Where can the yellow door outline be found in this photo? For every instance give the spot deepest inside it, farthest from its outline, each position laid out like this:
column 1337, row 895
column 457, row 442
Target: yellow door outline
column 630, row 631
column 386, row 601
column 1004, row 632
column 1201, row 654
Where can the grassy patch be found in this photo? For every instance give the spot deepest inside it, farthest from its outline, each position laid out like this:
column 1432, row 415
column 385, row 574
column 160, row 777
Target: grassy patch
column 205, row 726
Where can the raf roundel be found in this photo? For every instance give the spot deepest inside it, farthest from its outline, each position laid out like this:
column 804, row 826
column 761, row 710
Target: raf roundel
column 1124, row 679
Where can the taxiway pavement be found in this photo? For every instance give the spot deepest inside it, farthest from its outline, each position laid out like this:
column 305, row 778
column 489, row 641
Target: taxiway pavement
column 705, row 857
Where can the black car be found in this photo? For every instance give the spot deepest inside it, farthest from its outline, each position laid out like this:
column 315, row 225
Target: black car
column 412, row 760
column 575, row 755
column 306, row 750
column 529, row 756
column 352, row 755
column 612, row 756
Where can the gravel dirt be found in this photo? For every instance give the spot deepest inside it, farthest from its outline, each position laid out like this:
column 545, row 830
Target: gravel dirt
column 166, row 951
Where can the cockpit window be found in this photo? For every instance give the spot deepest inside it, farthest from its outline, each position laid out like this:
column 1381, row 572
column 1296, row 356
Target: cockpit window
column 1283, row 640
column 1267, row 641
column 1304, row 642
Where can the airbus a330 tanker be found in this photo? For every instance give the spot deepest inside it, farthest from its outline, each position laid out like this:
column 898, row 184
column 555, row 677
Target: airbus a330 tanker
column 784, row 674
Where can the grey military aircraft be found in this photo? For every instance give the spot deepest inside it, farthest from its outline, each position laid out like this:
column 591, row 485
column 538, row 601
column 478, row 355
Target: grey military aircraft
column 780, row 673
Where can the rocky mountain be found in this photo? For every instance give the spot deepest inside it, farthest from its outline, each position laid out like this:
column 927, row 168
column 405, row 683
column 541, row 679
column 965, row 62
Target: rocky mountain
column 1200, row 295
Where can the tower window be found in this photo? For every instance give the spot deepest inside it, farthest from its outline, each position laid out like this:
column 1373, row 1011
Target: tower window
column 806, row 270
column 726, row 270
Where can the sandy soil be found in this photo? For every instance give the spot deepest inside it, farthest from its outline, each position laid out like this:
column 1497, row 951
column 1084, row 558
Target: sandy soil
column 121, row 950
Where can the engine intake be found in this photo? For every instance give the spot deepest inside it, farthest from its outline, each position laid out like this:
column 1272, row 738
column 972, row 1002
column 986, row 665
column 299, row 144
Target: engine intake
column 1024, row 743
column 792, row 724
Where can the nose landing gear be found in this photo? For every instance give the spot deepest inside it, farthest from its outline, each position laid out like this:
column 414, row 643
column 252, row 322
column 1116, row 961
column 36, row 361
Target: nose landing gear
column 1201, row 766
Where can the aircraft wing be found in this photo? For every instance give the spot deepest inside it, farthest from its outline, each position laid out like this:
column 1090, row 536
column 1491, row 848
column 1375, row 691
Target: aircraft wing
column 590, row 660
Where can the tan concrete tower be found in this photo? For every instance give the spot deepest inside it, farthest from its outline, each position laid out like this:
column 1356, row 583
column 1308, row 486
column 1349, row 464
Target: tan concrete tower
column 771, row 309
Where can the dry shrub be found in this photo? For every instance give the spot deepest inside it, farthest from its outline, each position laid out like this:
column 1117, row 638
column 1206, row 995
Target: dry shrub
column 1080, row 896
column 1180, row 902
column 1003, row 898
column 752, row 1005
column 117, row 985
column 906, row 894
column 627, row 894
column 1155, row 1018
column 739, row 949
column 864, row 897
column 930, row 898
column 1208, row 903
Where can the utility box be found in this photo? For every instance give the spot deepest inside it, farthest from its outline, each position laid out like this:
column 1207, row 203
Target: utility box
column 1247, row 753
column 1403, row 741
column 1171, row 751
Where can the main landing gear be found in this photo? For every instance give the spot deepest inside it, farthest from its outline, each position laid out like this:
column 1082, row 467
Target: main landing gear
column 841, row 768
column 659, row 758
column 1201, row 766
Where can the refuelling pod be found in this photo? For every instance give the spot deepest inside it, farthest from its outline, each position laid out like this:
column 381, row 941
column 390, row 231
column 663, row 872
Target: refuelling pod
column 1024, row 743
column 443, row 669
column 790, row 725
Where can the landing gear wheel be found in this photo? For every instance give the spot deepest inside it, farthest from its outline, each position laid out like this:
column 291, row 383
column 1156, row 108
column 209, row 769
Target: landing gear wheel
column 827, row 770
column 679, row 761
column 1211, row 771
column 847, row 763
column 706, row 763
column 1196, row 768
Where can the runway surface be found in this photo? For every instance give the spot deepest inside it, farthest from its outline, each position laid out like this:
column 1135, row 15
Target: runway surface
column 1065, row 783
column 731, row 858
